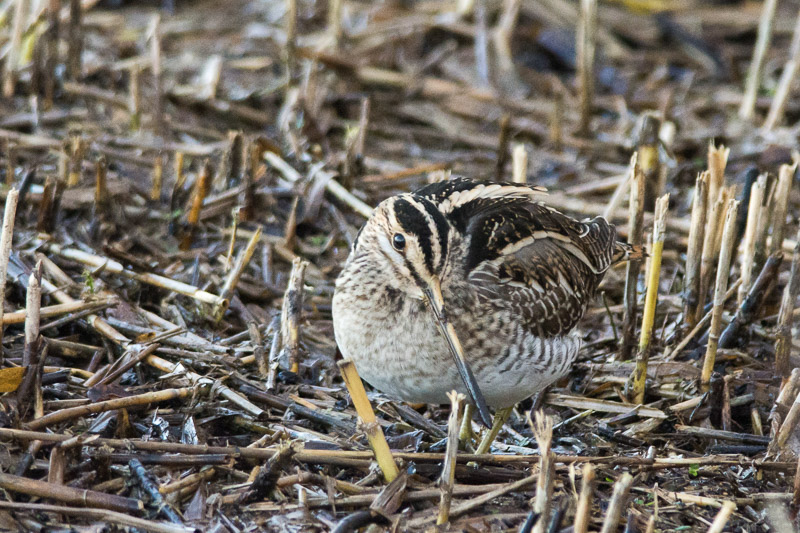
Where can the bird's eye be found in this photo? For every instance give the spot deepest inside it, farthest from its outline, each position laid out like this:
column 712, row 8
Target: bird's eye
column 399, row 242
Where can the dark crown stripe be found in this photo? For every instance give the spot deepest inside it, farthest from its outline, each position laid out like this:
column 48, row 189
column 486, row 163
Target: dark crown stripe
column 442, row 228
column 415, row 222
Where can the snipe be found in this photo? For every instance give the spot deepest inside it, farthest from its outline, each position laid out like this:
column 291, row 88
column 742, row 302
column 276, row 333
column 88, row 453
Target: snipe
column 469, row 285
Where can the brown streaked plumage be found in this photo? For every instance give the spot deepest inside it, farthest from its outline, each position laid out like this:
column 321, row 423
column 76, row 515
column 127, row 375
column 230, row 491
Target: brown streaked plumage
column 509, row 274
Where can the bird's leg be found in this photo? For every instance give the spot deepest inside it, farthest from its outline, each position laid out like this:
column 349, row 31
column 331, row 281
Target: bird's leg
column 466, row 435
column 500, row 418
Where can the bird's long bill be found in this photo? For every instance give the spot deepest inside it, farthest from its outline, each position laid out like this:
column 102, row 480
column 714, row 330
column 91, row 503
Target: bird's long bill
column 434, row 295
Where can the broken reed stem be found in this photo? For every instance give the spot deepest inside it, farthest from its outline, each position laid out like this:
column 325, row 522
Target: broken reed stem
column 723, row 515
column 135, row 98
column 232, row 242
column 72, row 413
column 796, row 487
column 503, row 34
column 448, row 476
column 651, row 299
column 73, row 496
column 519, row 164
column 75, row 40
column 717, row 161
column 335, row 21
column 786, row 429
column 698, row 327
column 115, row 267
column 18, row 317
column 158, row 178
column 77, row 149
column 99, row 324
column 750, row 236
column 292, row 311
column 30, row 354
column 201, row 189
column 632, row 269
column 242, row 260
column 586, row 37
column 782, row 192
column 101, row 185
column 720, row 288
column 155, row 69
column 694, row 250
column 373, row 430
column 6, row 238
column 11, row 161
column 542, row 427
column 583, row 512
column 502, row 146
column 788, row 75
column 13, row 54
column 291, row 39
column 788, row 392
column 647, row 156
column 198, row 380
column 753, row 81
column 618, row 503
column 783, row 336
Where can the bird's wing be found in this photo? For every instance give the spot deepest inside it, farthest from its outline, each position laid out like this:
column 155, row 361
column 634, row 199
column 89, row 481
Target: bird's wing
column 546, row 264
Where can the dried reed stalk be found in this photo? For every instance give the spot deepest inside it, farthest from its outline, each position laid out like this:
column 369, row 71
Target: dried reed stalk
column 782, row 192
column 371, row 427
column 647, row 150
column 448, row 475
column 242, row 260
column 723, row 515
column 502, row 36
column 583, row 512
column 586, row 41
column 71, row 413
column 154, row 33
column 198, row 380
column 786, row 429
column 75, row 40
column 617, row 504
column 694, row 250
column 115, row 267
column 13, row 54
column 158, row 178
column 201, row 189
column 632, row 269
column 788, row 75
column 750, row 236
column 708, row 256
column 753, row 81
column 783, row 336
column 519, row 162
column 291, row 313
column 73, row 496
column 30, row 353
column 542, row 427
column 6, row 238
column 335, row 21
column 639, row 376
column 721, row 286
column 789, row 390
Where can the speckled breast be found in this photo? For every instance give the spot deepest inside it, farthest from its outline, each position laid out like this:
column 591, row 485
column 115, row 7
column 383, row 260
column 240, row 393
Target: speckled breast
column 397, row 348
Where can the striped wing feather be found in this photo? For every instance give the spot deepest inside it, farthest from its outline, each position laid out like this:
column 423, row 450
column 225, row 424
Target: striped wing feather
column 519, row 251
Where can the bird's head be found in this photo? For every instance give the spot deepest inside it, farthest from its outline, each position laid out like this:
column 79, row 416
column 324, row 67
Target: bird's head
column 409, row 236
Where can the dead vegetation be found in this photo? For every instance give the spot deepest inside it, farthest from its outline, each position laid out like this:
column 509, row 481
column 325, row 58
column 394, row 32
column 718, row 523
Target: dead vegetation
column 182, row 183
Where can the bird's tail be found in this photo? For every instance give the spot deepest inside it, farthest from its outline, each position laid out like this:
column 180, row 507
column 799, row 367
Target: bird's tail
column 627, row 252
